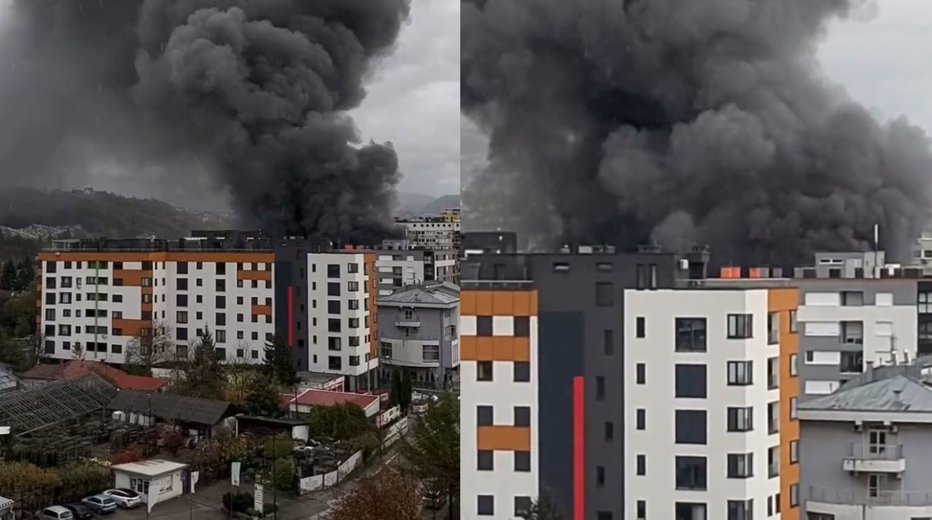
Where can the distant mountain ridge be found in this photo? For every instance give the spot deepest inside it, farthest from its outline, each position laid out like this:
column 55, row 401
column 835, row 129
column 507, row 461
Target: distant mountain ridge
column 419, row 205
column 45, row 214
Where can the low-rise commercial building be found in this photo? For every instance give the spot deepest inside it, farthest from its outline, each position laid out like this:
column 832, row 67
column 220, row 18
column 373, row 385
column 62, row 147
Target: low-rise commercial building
column 419, row 333
column 155, row 480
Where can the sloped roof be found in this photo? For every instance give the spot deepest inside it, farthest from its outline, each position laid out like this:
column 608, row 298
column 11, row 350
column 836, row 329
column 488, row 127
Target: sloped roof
column 897, row 393
column 77, row 368
column 436, row 294
column 329, row 398
column 172, row 407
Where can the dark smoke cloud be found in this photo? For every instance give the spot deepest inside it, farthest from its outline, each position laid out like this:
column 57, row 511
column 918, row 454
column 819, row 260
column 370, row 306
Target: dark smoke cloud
column 253, row 91
column 676, row 120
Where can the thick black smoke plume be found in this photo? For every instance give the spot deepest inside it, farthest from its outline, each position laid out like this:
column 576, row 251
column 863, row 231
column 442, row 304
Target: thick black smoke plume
column 254, row 91
column 682, row 121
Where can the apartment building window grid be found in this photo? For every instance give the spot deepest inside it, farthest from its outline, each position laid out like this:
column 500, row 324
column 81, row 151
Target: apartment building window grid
column 740, row 373
column 690, row 334
column 740, row 326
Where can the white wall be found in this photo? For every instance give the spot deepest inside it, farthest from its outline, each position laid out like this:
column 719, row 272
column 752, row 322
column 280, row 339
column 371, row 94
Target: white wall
column 879, row 322
column 317, row 310
column 656, row 350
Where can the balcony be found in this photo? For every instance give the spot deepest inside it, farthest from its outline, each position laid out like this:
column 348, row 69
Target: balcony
column 411, row 323
column 874, row 458
column 874, row 498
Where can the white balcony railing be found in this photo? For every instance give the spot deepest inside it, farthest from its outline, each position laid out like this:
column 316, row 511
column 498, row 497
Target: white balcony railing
column 870, row 498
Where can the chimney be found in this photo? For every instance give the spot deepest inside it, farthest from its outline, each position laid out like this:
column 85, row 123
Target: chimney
column 759, row 272
column 730, row 273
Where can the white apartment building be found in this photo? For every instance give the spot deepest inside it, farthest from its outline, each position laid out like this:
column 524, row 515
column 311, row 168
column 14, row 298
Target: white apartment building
column 847, row 324
column 100, row 305
column 432, row 232
column 499, row 458
column 702, row 399
column 342, row 316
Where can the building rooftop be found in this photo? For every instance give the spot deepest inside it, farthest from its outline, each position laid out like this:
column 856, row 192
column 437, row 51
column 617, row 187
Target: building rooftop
column 172, row 407
column 328, row 398
column 893, row 388
column 76, row 368
column 424, row 294
column 317, row 377
column 150, row 468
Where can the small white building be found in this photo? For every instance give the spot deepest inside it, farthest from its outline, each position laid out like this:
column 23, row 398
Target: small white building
column 156, row 480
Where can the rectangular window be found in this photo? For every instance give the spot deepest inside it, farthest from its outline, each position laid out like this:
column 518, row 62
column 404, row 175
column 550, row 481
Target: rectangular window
column 485, row 461
column 852, row 362
column 741, row 509
column 608, row 341
column 773, row 373
column 794, row 323
column 794, row 365
column 794, row 452
column 641, row 419
column 794, row 495
column 522, row 461
column 333, row 306
column 740, row 465
column 740, row 419
column 604, row 294
column 485, row 505
column 334, row 343
column 333, row 270
column 609, row 430
column 690, row 511
column 522, row 371
column 773, row 462
column 642, row 511
column 691, row 473
column 599, row 388
column 641, row 325
column 740, row 373
column 740, row 326
column 793, row 408
column 484, row 416
column 483, row 371
column 522, row 327
column 600, row 476
column 522, row 416
column 690, row 381
column 690, row 334
column 773, row 417
column 334, row 363
column 641, row 375
column 641, row 465
column 773, row 328
column 430, row 352
column 333, row 289
column 691, row 427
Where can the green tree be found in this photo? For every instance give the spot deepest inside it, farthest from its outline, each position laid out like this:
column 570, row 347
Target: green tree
column 278, row 361
column 434, row 449
column 203, row 376
column 406, row 392
column 394, row 393
column 25, row 274
column 8, row 276
column 341, row 422
column 263, row 397
column 543, row 509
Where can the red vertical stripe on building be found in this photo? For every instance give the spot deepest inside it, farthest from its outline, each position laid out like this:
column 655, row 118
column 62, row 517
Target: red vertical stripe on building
column 291, row 316
column 579, row 448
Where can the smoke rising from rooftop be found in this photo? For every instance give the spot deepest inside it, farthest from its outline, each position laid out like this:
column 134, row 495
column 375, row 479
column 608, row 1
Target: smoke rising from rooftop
column 678, row 121
column 253, row 92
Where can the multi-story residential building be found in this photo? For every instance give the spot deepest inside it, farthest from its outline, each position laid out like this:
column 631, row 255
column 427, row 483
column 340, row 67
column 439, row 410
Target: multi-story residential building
column 856, row 311
column 102, row 299
column 434, row 233
column 710, row 363
column 863, row 449
column 400, row 267
column 342, row 328
column 419, row 333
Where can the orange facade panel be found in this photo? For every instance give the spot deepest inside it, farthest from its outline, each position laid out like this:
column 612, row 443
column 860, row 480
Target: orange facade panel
column 504, row 438
column 495, row 348
column 131, row 328
column 785, row 302
column 261, row 310
column 254, row 275
column 498, row 303
column 133, row 277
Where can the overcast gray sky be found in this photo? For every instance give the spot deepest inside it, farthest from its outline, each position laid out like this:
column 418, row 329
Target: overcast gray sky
column 880, row 55
column 414, row 99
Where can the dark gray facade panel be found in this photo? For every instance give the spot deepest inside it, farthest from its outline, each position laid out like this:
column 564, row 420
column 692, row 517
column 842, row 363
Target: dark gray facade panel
column 560, row 359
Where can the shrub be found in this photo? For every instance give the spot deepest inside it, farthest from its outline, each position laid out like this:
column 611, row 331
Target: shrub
column 173, row 442
column 237, row 502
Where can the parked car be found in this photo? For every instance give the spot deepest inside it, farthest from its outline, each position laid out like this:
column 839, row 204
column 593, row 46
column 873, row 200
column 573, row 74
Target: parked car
column 125, row 498
column 80, row 511
column 54, row 513
column 100, row 504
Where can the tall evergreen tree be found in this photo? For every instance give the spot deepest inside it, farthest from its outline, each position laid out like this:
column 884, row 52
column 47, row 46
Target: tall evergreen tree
column 262, row 397
column 406, row 391
column 203, row 376
column 25, row 274
column 434, row 452
column 396, row 388
column 279, row 363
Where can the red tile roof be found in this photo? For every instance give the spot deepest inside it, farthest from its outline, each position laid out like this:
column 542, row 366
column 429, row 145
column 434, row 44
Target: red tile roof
column 117, row 377
column 329, row 398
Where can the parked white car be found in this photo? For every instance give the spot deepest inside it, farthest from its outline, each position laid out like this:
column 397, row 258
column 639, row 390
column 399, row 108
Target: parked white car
column 125, row 498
